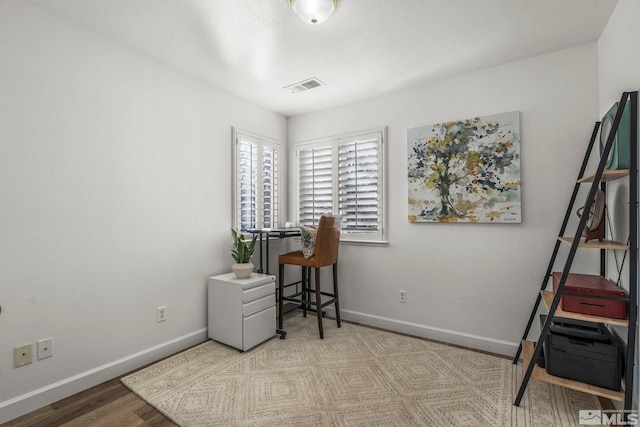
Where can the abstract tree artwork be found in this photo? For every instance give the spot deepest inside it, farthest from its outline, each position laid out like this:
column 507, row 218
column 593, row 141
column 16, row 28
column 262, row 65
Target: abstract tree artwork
column 465, row 170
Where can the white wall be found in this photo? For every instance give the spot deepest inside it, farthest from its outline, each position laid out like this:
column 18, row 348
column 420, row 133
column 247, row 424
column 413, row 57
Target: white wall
column 470, row 284
column 115, row 191
column 619, row 67
column 115, row 180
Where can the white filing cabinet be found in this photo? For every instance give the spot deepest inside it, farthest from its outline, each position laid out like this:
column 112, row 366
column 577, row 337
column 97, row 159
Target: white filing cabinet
column 242, row 312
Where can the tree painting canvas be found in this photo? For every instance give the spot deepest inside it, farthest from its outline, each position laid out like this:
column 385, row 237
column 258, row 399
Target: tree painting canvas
column 466, row 170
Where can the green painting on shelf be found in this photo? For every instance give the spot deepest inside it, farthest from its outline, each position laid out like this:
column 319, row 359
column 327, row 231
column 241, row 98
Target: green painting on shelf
column 465, row 170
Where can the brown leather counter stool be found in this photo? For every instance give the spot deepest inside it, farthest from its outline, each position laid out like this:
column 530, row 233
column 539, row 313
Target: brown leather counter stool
column 326, row 254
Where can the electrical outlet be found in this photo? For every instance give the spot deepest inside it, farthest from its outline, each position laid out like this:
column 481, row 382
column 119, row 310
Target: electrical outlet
column 45, row 348
column 162, row 313
column 22, row 355
column 402, row 295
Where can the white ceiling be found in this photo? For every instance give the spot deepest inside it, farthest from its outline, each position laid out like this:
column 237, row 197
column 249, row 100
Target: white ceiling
column 254, row 48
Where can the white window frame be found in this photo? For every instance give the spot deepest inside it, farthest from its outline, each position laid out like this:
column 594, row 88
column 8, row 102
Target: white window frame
column 261, row 143
column 368, row 237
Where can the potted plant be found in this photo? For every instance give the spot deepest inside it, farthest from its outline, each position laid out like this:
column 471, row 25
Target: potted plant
column 241, row 253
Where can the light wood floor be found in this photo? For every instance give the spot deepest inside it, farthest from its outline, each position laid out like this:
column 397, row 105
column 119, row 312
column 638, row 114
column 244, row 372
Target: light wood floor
column 108, row 404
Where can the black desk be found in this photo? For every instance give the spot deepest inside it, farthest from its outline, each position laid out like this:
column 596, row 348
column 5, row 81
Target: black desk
column 264, row 235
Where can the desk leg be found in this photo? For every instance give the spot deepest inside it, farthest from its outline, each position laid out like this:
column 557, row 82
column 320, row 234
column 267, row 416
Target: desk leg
column 260, row 269
column 266, row 258
column 279, row 330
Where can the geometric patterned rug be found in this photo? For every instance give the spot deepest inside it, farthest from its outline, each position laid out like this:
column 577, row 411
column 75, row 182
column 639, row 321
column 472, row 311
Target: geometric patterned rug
column 356, row 376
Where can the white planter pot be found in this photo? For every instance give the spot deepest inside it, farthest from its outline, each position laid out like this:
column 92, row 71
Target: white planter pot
column 243, row 270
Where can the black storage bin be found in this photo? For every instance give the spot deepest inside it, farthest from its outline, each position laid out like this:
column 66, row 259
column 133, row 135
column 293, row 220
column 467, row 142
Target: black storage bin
column 583, row 351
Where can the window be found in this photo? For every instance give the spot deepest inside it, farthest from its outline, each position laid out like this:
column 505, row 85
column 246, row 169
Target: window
column 345, row 176
column 256, row 185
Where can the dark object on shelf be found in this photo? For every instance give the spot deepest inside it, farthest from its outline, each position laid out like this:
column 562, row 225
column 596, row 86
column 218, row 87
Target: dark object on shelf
column 596, row 234
column 578, row 329
column 583, row 351
column 619, row 154
column 540, row 360
column 587, row 284
column 595, row 223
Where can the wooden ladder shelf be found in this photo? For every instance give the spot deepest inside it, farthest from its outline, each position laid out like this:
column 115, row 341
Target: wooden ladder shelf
column 532, row 351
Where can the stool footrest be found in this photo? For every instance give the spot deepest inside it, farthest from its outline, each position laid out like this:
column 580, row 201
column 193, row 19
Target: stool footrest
column 293, row 297
column 326, row 303
column 302, row 301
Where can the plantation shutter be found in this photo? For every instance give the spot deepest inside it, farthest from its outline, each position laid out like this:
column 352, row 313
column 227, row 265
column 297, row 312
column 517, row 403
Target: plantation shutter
column 269, row 187
column 358, row 178
column 344, row 176
column 315, row 183
column 248, row 183
column 257, row 188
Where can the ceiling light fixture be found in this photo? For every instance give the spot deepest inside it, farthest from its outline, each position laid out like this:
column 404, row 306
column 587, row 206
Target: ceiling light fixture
column 314, row 11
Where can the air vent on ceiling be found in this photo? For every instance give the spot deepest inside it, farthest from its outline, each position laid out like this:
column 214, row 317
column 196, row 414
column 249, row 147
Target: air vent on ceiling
column 304, row 85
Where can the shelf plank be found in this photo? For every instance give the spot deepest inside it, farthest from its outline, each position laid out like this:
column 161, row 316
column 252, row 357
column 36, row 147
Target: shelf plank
column 547, row 297
column 594, row 244
column 607, row 175
column 542, row 375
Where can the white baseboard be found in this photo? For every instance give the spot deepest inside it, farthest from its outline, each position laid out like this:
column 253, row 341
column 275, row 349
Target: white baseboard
column 491, row 345
column 21, row 405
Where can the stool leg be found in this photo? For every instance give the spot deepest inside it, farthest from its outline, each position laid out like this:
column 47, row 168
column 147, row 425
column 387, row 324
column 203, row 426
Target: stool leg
column 280, row 294
column 305, row 291
column 335, row 292
column 319, row 302
column 309, row 288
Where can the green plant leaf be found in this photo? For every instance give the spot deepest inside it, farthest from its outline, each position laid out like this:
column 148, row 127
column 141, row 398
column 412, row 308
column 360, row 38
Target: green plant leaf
column 242, row 251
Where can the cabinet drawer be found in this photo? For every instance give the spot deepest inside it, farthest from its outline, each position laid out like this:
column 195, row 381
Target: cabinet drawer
column 259, row 327
column 259, row 304
column 258, row 291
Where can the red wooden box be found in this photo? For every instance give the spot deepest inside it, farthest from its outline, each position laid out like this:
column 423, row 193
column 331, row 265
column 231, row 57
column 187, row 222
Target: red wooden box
column 588, row 284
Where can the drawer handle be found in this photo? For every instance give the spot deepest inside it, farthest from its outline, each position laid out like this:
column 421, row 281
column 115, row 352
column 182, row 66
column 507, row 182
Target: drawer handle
column 592, row 305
